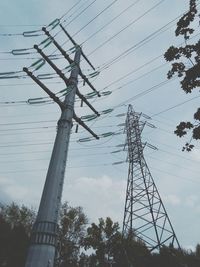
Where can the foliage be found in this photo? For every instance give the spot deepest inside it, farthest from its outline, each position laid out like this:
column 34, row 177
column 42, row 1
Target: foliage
column 15, row 216
column 104, row 239
column 100, row 245
column 72, row 226
column 110, row 247
column 15, row 225
column 190, row 76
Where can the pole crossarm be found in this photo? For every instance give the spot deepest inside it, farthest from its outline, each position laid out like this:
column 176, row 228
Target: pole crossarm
column 51, row 95
column 87, row 102
column 67, row 57
column 57, row 70
column 75, row 44
column 79, row 121
column 62, row 76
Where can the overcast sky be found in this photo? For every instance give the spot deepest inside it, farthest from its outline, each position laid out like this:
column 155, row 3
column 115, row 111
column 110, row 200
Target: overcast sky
column 145, row 28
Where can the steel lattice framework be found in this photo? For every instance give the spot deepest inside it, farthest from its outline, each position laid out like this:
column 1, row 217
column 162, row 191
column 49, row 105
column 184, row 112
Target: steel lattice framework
column 145, row 215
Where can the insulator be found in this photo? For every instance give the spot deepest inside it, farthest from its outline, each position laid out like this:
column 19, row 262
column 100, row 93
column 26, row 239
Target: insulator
column 73, row 49
column 47, row 44
column 107, row 111
column 121, row 145
column 18, row 52
column 90, row 95
column 118, row 162
column 36, row 62
column 150, row 125
column 151, row 146
column 87, row 139
column 106, row 93
column 37, row 100
column 146, row 116
column 116, row 151
column 54, row 23
column 64, row 90
column 31, row 33
column 121, row 124
column 107, row 134
column 40, row 65
column 89, row 117
column 44, row 76
column 44, row 41
column 94, row 74
column 120, row 115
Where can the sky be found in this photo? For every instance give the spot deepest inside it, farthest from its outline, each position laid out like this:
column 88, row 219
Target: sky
column 125, row 41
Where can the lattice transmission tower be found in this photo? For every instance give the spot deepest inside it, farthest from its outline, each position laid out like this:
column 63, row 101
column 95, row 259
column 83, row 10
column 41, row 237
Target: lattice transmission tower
column 145, row 215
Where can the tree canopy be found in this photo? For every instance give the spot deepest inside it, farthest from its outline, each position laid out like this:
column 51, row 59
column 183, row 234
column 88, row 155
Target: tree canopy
column 186, row 65
column 81, row 245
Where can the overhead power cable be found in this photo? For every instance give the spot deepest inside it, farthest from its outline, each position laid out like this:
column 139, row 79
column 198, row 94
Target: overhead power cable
column 42, row 25
column 99, row 14
column 109, row 22
column 147, row 91
column 175, row 106
column 174, row 164
column 127, row 26
column 98, row 165
column 80, row 13
column 30, row 50
column 136, row 46
column 65, row 14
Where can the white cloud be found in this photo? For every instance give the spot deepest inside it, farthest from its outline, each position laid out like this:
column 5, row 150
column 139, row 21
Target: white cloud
column 172, row 199
column 100, row 197
column 192, row 201
column 10, row 190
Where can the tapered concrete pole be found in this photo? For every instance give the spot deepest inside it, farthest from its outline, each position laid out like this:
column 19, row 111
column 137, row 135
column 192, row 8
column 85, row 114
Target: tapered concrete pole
column 44, row 234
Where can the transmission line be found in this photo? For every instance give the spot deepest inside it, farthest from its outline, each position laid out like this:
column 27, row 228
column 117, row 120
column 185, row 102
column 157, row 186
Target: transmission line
column 124, row 28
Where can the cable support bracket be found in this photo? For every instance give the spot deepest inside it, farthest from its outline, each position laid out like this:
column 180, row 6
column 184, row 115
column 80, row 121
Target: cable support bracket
column 57, row 70
column 51, row 95
column 67, row 57
column 75, row 44
column 80, row 122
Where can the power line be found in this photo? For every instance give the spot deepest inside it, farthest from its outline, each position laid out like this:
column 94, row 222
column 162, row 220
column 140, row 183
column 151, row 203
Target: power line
column 124, row 28
column 177, row 155
column 147, row 91
column 99, row 165
column 108, row 23
column 100, row 13
column 26, row 122
column 174, row 175
column 173, row 164
column 175, row 106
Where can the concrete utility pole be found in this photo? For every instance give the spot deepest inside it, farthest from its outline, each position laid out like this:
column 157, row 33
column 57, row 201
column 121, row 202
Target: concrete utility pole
column 44, row 235
column 43, row 245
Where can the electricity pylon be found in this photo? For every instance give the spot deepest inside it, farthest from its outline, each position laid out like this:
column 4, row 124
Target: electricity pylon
column 145, row 216
column 43, row 245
